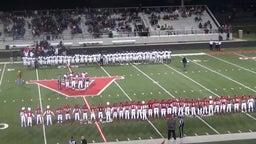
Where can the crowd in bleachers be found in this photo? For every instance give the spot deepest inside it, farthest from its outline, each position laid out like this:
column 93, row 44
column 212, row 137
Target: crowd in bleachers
column 99, row 22
column 13, row 25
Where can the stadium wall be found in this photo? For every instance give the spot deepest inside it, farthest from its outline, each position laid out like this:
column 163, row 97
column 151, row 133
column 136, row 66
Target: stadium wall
column 143, row 47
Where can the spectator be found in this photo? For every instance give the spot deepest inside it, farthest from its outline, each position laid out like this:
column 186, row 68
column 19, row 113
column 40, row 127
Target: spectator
column 83, row 140
column 181, row 127
column 72, row 140
column 171, row 124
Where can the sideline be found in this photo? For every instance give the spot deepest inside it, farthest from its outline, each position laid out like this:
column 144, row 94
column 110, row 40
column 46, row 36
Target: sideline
column 195, row 139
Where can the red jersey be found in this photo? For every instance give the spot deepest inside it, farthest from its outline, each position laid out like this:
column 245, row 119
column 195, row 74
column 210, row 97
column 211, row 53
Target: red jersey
column 67, row 109
column 84, row 109
column 236, row 100
column 59, row 111
column 92, row 109
column 150, row 104
column 193, row 103
column 38, row 111
column 48, row 111
column 30, row 114
column 223, row 100
column 19, row 75
column 100, row 108
column 76, row 109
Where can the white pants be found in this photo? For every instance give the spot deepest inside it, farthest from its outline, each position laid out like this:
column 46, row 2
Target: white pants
column 108, row 116
column 250, row 106
column 163, row 112
column 121, row 114
column 100, row 115
column 199, row 110
column 236, row 107
column 193, row 111
column 73, row 84
column 217, row 109
column 210, row 109
column 67, row 117
column 228, row 108
column 139, row 114
column 150, row 112
column 67, row 84
column 85, row 116
column 77, row 116
column 29, row 121
column 133, row 116
column 93, row 116
column 23, row 121
column 115, row 115
column 187, row 113
column 38, row 119
column 169, row 110
column 181, row 111
column 144, row 114
column 156, row 112
column 244, row 107
column 80, row 84
column 59, row 118
column 223, row 108
column 48, row 119
column 205, row 110
column 126, row 114
column 174, row 110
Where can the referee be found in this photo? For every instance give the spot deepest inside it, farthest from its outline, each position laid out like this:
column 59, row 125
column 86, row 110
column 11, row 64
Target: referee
column 59, row 82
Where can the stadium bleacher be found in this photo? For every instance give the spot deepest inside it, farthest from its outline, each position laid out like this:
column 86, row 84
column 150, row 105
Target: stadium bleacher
column 168, row 24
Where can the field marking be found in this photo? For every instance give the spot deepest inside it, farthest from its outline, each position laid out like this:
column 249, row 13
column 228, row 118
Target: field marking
column 2, row 75
column 232, row 64
column 41, row 105
column 214, row 71
column 116, row 84
column 190, row 79
column 96, row 123
column 131, row 100
column 174, row 97
column 245, row 56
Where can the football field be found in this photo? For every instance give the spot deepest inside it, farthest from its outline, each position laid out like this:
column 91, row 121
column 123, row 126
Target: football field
column 230, row 72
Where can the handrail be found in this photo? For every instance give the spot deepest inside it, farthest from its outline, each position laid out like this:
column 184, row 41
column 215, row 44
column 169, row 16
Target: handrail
column 213, row 17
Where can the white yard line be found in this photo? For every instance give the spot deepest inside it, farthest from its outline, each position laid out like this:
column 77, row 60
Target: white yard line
column 174, row 97
column 214, row 71
column 245, row 56
column 232, row 64
column 117, row 84
column 131, row 100
column 2, row 75
column 41, row 105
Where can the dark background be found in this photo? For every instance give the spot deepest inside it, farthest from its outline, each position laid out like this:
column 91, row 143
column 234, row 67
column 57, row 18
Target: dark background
column 17, row 5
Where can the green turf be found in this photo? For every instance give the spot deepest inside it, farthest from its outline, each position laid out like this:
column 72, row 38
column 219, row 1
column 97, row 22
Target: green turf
column 203, row 77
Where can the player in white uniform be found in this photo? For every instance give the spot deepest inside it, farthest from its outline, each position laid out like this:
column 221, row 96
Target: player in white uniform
column 250, row 103
column 211, row 103
column 49, row 113
column 108, row 112
column 23, row 117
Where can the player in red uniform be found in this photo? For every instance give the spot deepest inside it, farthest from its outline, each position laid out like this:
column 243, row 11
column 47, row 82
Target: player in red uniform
column 229, row 104
column 174, row 106
column 150, row 108
column 156, row 105
column 93, row 117
column 236, row 100
column 59, row 113
column 67, row 111
column 181, row 105
column 223, row 102
column 114, row 111
column 100, row 109
column 199, row 107
column 85, row 113
column 77, row 112
column 139, row 110
column 133, row 110
column 217, row 104
column 121, row 110
column 30, row 115
column 244, row 103
column 205, row 106
column 127, row 110
column 187, row 107
column 193, row 107
column 211, row 104
column 169, row 107
column 38, row 113
column 144, row 110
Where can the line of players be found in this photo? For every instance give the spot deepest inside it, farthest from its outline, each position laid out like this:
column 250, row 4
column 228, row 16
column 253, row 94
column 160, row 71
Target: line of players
column 117, row 58
column 76, row 81
column 141, row 110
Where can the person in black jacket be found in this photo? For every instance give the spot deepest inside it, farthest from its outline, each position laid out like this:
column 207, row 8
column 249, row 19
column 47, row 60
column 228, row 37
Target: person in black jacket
column 181, row 127
column 83, row 140
column 171, row 125
column 184, row 61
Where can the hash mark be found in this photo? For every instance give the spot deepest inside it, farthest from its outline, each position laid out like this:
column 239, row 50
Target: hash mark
column 4, row 101
column 128, row 139
column 229, row 132
column 117, row 95
column 232, row 88
column 175, row 91
column 117, row 140
column 142, row 93
column 150, row 137
column 49, row 98
column 192, row 90
column 206, row 133
column 184, row 91
column 250, row 130
column 31, row 99
column 239, row 131
column 138, row 74
column 199, row 71
column 193, row 72
column 232, row 69
column 93, row 141
column 200, row 90
column 139, row 138
column 216, row 89
column 158, row 73
column 13, row 100
column 240, row 88
column 134, row 94
column 165, row 73
column 224, row 89
column 151, row 93
column 58, row 98
column 22, row 100
column 226, row 70
column 196, row 134
column 206, row 71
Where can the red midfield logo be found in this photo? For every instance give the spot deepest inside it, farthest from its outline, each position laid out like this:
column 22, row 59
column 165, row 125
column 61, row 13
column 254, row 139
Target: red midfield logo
column 98, row 85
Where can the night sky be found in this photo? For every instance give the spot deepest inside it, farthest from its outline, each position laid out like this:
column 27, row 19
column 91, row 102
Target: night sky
column 13, row 5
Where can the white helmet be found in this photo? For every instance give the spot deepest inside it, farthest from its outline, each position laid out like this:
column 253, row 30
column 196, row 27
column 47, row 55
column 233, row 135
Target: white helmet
column 107, row 103
column 47, row 106
column 143, row 102
column 29, row 109
column 23, row 108
column 210, row 97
